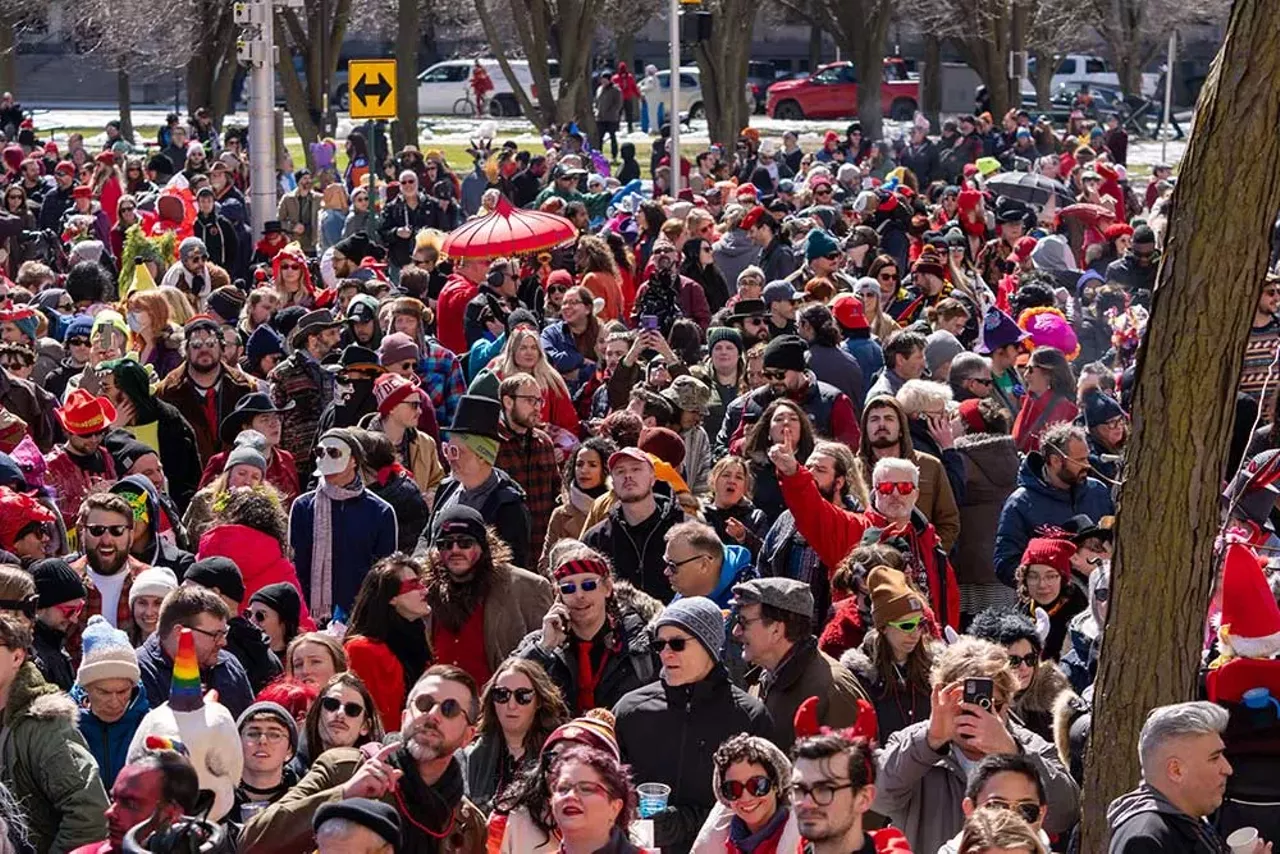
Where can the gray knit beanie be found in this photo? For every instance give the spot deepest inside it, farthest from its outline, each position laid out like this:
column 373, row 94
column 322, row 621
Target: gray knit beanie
column 698, row 616
column 249, row 450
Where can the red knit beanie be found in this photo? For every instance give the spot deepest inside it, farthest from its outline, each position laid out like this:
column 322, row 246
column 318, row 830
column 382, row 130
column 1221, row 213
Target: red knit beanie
column 1050, row 552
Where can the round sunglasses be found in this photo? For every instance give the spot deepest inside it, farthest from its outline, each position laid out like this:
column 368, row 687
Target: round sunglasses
column 502, row 696
column 757, row 786
column 332, row 704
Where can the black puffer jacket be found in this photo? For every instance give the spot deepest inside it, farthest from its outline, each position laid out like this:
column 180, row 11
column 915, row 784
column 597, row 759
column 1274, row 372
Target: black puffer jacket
column 691, row 721
column 252, row 649
column 406, row 499
column 630, row 664
column 637, row 550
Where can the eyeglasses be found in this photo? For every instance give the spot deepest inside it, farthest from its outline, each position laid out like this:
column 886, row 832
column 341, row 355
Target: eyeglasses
column 757, row 786
column 410, row 585
column 99, row 530
column 531, row 398
column 583, row 788
column 203, row 344
column 822, row 793
column 270, row 736
column 219, row 635
column 676, row 564
column 676, row 644
column 412, row 404
column 908, row 625
column 569, row 588
column 983, row 380
column 69, row 610
column 902, row 487
column 444, row 544
column 450, row 708
column 502, row 696
column 822, row 191
column 1027, row 811
column 127, row 208
column 328, row 451
column 409, row 182
column 834, row 256
column 887, row 277
column 332, row 704
column 1030, row 660
column 258, row 617
column 290, row 267
column 556, row 289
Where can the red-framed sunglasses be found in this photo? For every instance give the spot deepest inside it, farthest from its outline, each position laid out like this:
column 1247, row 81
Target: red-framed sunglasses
column 904, row 487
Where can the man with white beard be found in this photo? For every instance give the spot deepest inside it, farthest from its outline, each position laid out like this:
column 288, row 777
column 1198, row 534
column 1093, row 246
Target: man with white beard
column 419, row 776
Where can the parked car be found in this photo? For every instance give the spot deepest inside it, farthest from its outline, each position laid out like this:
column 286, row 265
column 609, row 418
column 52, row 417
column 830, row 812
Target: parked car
column 690, row 94
column 1106, row 101
column 444, row 85
column 831, row 92
column 1077, row 68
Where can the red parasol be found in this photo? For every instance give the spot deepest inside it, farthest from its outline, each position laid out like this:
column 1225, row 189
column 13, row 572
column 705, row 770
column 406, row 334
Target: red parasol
column 1088, row 214
column 508, row 231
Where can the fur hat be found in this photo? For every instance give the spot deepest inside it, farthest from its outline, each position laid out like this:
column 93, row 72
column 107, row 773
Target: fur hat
column 1049, row 327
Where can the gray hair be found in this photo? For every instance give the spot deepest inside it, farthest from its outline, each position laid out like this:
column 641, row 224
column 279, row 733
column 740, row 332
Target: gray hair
column 966, row 366
column 1166, row 723
column 894, row 465
column 918, row 396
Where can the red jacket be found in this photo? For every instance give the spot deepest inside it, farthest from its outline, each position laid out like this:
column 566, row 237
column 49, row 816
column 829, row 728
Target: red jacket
column 282, row 473
column 1032, row 420
column 260, row 560
column 451, row 308
column 887, row 841
column 375, row 663
column 833, row 532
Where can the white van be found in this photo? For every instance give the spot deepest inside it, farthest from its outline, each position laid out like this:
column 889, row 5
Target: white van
column 445, row 88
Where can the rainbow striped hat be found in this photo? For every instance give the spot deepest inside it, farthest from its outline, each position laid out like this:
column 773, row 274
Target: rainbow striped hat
column 184, row 692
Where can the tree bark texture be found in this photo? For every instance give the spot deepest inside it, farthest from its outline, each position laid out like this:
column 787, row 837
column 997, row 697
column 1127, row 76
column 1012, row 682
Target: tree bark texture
column 931, row 81
column 124, row 102
column 305, row 34
column 722, row 69
column 407, row 43
column 211, row 69
column 8, row 57
column 1184, row 404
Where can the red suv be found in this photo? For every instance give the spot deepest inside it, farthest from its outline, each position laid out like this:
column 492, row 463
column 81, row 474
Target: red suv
column 831, row 92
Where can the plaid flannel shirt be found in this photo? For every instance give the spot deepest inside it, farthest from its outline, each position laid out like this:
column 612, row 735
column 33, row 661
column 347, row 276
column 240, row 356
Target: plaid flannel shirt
column 530, row 459
column 93, row 605
column 441, row 373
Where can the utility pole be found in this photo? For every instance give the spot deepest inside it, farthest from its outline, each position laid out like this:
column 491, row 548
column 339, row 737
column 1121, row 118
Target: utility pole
column 1168, row 96
column 1017, row 53
column 673, row 146
column 255, row 47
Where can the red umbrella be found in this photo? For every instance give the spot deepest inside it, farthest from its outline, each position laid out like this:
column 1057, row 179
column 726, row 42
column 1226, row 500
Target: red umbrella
column 508, row 231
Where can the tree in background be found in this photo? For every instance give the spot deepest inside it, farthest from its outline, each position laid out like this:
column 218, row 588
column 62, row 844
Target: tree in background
column 315, row 36
column 1136, row 31
column 1184, row 405
column 722, row 68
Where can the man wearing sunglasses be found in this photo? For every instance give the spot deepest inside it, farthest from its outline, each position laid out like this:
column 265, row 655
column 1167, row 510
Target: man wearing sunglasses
column 691, row 707
column 1136, row 271
column 822, row 259
column 1007, row 782
column 61, row 596
column 419, row 775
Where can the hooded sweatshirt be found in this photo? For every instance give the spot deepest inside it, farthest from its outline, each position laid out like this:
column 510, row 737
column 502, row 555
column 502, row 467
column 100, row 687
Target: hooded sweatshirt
column 1145, row 820
column 734, row 253
column 161, row 519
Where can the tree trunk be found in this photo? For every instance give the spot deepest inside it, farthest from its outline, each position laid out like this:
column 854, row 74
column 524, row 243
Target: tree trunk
column 723, row 70
column 931, row 81
column 815, row 47
column 1045, row 61
column 407, row 42
column 295, row 94
column 1184, row 405
column 8, row 57
column 124, row 102
column 625, row 47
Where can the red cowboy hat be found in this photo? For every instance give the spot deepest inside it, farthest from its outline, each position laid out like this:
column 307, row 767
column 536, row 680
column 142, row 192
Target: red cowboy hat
column 84, row 414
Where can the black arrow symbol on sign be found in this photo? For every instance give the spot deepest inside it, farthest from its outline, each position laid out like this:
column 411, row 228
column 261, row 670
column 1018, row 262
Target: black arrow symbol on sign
column 379, row 90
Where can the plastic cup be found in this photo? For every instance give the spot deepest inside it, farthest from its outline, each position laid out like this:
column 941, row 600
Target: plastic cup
column 653, row 798
column 1243, row 840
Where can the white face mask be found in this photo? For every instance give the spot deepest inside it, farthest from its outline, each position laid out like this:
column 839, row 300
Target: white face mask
column 134, row 319
column 327, row 463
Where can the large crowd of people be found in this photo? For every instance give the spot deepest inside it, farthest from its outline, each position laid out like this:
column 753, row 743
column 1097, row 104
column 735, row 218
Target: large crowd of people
column 774, row 515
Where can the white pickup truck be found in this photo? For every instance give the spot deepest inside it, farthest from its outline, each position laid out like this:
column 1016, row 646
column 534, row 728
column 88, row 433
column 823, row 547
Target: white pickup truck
column 1076, row 68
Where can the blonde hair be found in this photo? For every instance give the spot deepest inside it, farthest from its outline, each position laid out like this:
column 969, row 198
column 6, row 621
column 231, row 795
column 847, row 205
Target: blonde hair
column 918, row 396
column 969, row 657
column 547, row 376
column 996, row 827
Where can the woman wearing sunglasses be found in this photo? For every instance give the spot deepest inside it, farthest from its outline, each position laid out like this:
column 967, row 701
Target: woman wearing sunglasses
column 896, row 657
column 594, row 650
column 292, row 278
column 884, row 270
column 387, row 642
column 751, row 782
column 342, row 716
column 1040, row 683
column 519, row 709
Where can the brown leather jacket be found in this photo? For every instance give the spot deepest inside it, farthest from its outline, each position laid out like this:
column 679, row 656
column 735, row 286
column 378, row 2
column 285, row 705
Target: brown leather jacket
column 180, row 390
column 33, row 405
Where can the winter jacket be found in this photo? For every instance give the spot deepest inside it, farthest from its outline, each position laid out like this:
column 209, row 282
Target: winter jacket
column 885, row 384
column 227, row 676
column 897, row 706
column 1137, row 280
column 219, row 237
column 364, row 532
column 924, row 443
column 398, row 489
column 189, row 399
column 923, row 161
column 751, row 517
column 777, row 260
column 530, row 459
column 991, row 472
column 1072, row 601
column 301, row 208
column 250, row 646
column 503, row 508
column 300, row 379
column 517, row 602
column 1080, row 662
column 630, row 663
column 109, row 742
column 920, row 789
column 1036, row 414
column 260, row 559
column 734, row 252
column 838, row 367
column 423, row 462
column 285, row 826
column 562, row 352
column 51, row 657
column 1145, row 822
column 608, row 103
column 807, row 672
column 179, row 453
column 637, row 550
column 490, row 768
column 48, row 768
column 566, row 524
column 830, row 411
column 936, row 501
column 692, row 305
column 870, row 358
column 694, row 720
column 1035, row 503
column 33, row 405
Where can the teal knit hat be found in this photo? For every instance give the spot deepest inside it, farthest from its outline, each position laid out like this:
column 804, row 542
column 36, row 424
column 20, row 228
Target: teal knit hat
column 819, row 244
column 724, row 333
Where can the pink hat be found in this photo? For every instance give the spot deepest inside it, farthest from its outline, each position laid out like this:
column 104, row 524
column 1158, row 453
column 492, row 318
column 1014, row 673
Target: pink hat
column 1049, row 327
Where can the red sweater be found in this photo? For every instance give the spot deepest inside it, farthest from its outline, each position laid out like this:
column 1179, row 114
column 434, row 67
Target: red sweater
column 260, row 560
column 1029, row 424
column 375, row 663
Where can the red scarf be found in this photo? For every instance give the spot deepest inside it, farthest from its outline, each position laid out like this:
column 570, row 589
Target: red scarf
column 589, row 678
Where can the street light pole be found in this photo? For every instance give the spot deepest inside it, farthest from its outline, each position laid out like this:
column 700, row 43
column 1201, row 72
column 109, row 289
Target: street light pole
column 256, row 47
column 673, row 147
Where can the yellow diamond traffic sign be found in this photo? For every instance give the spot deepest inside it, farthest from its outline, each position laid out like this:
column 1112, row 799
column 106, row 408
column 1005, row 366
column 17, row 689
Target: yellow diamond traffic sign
column 372, row 85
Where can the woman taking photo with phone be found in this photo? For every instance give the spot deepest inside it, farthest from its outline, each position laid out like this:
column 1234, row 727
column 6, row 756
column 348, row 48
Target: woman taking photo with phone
column 593, row 650
column 752, row 782
column 520, row 707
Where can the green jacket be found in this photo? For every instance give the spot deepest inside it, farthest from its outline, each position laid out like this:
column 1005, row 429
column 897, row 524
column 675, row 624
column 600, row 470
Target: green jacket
column 48, row 766
column 597, row 203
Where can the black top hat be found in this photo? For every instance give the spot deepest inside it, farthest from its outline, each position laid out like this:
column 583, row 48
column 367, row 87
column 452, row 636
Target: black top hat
column 312, row 321
column 254, row 403
column 355, row 356
column 477, row 416
column 744, row 308
column 1082, row 528
column 272, row 226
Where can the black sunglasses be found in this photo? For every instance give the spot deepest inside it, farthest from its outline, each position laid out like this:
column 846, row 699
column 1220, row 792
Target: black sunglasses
column 676, row 644
column 446, row 543
column 524, row 696
column 99, row 530
column 327, row 451
column 332, row 704
column 77, row 342
column 1031, row 659
column 450, row 708
column 757, row 786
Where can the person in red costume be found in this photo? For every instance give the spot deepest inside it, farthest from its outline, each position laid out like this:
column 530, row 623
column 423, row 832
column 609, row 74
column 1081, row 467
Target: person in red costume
column 481, row 85
column 833, row 531
column 459, row 289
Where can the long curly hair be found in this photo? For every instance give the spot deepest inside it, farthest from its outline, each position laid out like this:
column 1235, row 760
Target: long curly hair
column 551, row 709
